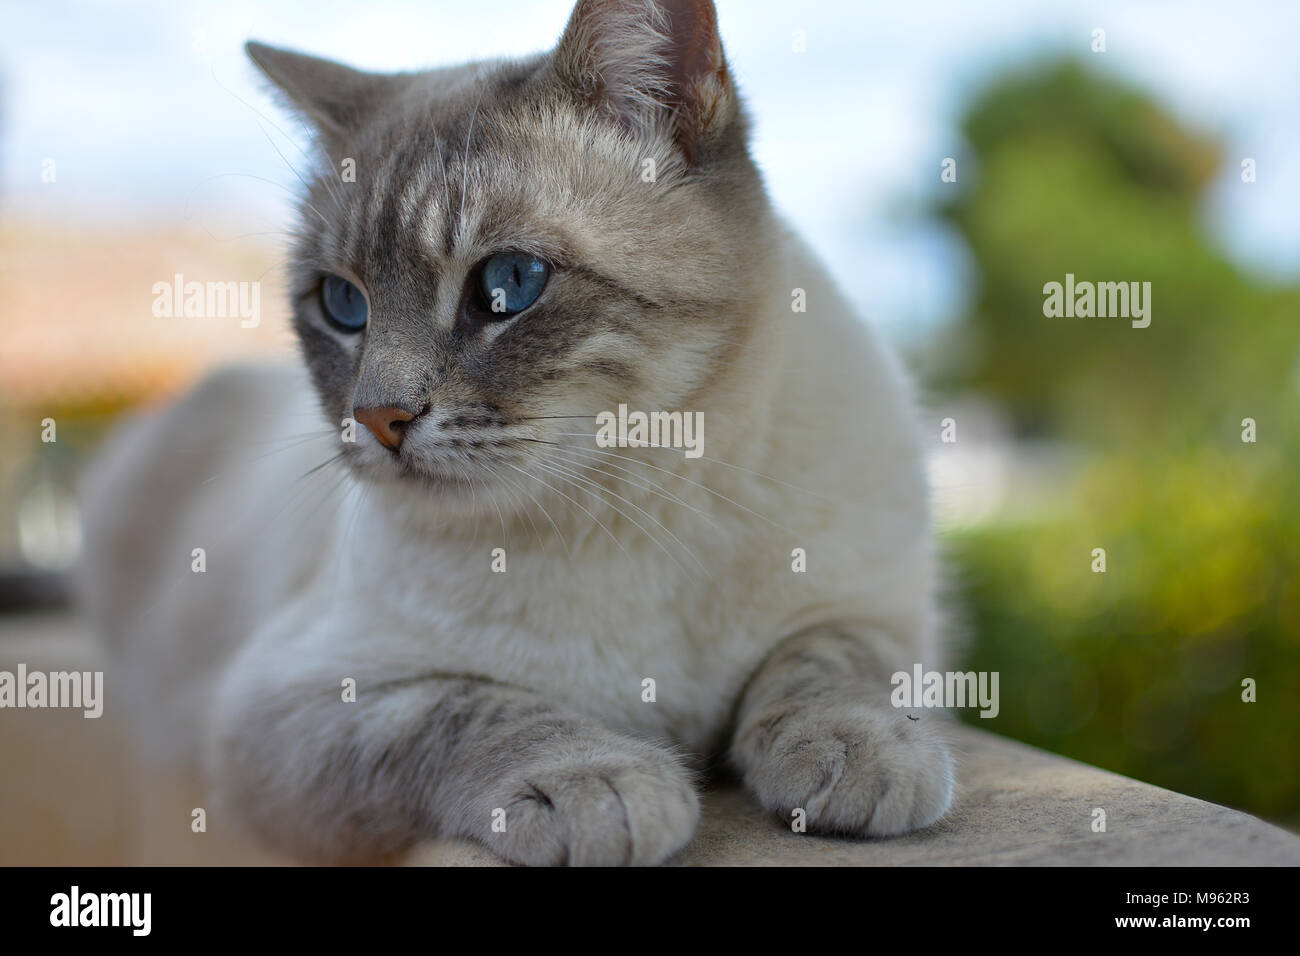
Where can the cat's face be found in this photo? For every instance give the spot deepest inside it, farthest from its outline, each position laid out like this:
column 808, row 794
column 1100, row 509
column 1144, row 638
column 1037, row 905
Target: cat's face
column 498, row 252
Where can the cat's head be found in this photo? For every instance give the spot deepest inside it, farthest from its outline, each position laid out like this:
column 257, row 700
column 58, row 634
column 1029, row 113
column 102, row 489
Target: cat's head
column 491, row 255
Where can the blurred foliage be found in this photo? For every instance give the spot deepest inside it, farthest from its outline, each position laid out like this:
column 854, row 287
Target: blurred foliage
column 1139, row 669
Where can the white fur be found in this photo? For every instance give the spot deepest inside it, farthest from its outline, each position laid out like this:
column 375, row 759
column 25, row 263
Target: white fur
column 351, row 586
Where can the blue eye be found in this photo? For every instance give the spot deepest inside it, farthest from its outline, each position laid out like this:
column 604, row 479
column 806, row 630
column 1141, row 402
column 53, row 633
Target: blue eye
column 512, row 281
column 344, row 304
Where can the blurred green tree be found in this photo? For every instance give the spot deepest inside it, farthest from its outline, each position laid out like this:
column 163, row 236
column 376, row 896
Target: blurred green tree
column 1138, row 669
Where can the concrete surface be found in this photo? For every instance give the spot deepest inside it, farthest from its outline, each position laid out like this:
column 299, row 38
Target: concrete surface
column 1018, row 806
column 70, row 795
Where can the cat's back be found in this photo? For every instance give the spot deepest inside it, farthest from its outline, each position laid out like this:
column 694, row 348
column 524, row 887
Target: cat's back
column 171, row 556
column 162, row 473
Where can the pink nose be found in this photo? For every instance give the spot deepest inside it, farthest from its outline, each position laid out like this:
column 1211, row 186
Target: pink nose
column 386, row 422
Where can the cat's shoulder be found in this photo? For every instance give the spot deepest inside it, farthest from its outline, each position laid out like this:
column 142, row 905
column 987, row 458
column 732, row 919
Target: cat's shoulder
column 164, row 449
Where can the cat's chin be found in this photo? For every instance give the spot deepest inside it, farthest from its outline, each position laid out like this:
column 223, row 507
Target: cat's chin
column 435, row 492
column 421, row 480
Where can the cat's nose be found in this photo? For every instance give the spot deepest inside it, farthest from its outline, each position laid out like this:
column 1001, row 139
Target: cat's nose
column 386, row 422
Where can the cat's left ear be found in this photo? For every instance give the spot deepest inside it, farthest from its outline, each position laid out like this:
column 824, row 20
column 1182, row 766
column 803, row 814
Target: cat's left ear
column 335, row 98
column 652, row 65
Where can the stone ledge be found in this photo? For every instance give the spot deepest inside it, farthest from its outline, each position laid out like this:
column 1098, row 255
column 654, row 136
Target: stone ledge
column 1016, row 806
column 66, row 800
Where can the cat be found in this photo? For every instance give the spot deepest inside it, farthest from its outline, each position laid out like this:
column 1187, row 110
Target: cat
column 397, row 592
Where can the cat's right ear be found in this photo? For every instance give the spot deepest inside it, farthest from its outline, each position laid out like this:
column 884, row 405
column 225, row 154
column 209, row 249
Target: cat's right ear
column 652, row 64
column 335, row 98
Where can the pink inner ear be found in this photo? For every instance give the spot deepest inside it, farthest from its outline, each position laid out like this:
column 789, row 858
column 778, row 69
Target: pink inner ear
column 698, row 70
column 696, row 50
column 646, row 54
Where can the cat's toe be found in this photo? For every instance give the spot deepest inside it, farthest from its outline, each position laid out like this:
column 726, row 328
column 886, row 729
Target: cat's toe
column 598, row 809
column 854, row 769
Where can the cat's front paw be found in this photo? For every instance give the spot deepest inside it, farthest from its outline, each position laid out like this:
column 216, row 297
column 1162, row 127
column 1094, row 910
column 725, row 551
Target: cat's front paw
column 609, row 803
column 851, row 768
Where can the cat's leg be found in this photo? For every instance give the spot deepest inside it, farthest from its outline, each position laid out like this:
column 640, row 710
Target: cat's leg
column 441, row 755
column 815, row 731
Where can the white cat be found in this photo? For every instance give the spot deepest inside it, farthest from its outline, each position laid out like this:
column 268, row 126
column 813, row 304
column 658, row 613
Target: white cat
column 471, row 619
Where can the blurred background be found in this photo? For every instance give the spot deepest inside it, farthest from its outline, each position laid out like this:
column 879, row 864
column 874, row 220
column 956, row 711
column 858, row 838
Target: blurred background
column 136, row 143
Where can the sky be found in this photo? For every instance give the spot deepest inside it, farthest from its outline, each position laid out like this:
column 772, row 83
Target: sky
column 152, row 115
